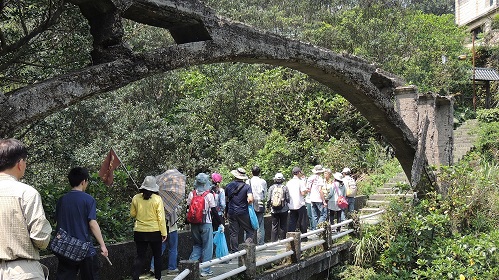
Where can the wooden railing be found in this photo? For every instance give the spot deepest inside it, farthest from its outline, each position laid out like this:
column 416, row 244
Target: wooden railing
column 247, row 254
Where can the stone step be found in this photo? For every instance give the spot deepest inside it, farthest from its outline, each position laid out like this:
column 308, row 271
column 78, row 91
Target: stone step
column 375, row 203
column 369, row 210
column 383, row 190
column 389, row 196
column 371, row 221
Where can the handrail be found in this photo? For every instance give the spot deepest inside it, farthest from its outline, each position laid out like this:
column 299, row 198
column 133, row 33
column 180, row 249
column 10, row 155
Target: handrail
column 273, row 244
column 346, row 222
column 308, row 233
column 274, row 258
column 251, row 262
column 182, row 274
column 372, row 214
column 311, row 245
column 341, row 234
column 229, row 273
column 222, row 259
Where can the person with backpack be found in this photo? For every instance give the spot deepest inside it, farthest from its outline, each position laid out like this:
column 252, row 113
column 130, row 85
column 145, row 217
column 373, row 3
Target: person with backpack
column 278, row 203
column 219, row 194
column 351, row 189
column 336, row 189
column 202, row 208
column 239, row 196
column 259, row 189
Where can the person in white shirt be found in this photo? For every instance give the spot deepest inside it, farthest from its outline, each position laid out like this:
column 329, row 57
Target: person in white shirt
column 298, row 217
column 24, row 228
column 351, row 189
column 318, row 201
column 259, row 189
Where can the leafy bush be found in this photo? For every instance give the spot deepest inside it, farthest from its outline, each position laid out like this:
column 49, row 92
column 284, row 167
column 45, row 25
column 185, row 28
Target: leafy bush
column 495, row 22
column 488, row 115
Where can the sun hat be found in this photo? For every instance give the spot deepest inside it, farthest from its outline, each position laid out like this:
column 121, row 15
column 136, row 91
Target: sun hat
column 279, row 177
column 216, row 177
column 328, row 170
column 346, row 170
column 239, row 173
column 296, row 170
column 202, row 182
column 150, row 184
column 337, row 176
column 318, row 169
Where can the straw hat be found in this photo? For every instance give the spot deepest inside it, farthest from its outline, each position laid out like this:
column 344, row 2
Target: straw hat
column 239, row 173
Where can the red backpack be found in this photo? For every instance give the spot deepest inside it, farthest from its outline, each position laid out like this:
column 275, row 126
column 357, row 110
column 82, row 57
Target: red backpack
column 197, row 211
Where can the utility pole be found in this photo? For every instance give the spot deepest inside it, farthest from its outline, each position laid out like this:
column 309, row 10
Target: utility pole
column 474, row 70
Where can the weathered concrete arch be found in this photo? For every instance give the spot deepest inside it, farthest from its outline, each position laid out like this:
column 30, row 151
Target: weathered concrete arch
column 202, row 38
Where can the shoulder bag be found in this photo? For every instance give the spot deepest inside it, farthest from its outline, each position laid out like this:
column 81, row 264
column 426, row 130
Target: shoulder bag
column 68, row 246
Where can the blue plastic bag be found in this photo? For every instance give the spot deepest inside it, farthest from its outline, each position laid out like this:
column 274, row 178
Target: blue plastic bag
column 253, row 218
column 220, row 243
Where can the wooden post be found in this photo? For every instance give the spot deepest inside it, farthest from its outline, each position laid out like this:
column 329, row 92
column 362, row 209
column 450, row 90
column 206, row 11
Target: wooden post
column 327, row 237
column 294, row 246
column 249, row 260
column 193, row 266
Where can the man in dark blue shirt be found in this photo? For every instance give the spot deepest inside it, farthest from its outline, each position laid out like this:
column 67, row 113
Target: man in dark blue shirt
column 76, row 213
column 238, row 195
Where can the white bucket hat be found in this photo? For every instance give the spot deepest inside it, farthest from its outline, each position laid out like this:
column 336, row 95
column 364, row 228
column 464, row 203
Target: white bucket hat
column 337, row 176
column 279, row 177
column 318, row 169
column 346, row 170
column 150, row 184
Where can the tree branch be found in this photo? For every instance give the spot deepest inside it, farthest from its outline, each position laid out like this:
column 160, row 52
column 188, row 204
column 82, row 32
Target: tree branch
column 51, row 20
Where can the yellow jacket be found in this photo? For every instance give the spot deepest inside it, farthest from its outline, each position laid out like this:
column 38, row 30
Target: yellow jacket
column 149, row 214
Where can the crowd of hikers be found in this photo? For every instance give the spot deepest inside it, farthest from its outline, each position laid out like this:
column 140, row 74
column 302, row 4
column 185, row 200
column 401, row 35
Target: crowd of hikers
column 297, row 204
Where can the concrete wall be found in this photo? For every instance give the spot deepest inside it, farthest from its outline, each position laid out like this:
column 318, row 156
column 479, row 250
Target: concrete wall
column 416, row 108
column 476, row 13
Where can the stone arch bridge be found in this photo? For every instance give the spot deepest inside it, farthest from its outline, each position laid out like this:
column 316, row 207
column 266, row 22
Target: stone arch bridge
column 419, row 127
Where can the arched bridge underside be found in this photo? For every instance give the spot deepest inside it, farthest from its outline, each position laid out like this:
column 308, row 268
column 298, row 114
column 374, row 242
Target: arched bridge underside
column 202, row 37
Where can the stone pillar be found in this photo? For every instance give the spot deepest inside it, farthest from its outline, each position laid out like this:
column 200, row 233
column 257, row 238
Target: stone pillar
column 439, row 138
column 294, row 246
column 193, row 266
column 406, row 104
column 249, row 260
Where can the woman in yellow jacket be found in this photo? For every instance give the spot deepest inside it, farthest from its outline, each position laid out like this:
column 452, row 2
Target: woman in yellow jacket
column 150, row 226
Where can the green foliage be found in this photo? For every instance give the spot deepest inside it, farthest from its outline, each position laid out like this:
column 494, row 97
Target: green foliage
column 487, row 144
column 462, row 114
column 450, row 234
column 488, row 115
column 495, row 22
column 40, row 39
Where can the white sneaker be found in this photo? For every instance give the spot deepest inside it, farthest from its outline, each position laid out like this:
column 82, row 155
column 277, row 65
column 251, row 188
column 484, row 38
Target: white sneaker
column 204, row 274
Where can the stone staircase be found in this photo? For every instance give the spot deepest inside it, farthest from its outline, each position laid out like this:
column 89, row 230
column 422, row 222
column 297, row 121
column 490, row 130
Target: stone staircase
column 377, row 201
column 464, row 139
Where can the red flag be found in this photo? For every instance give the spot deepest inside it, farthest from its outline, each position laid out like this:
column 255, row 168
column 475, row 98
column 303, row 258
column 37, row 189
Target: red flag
column 108, row 166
